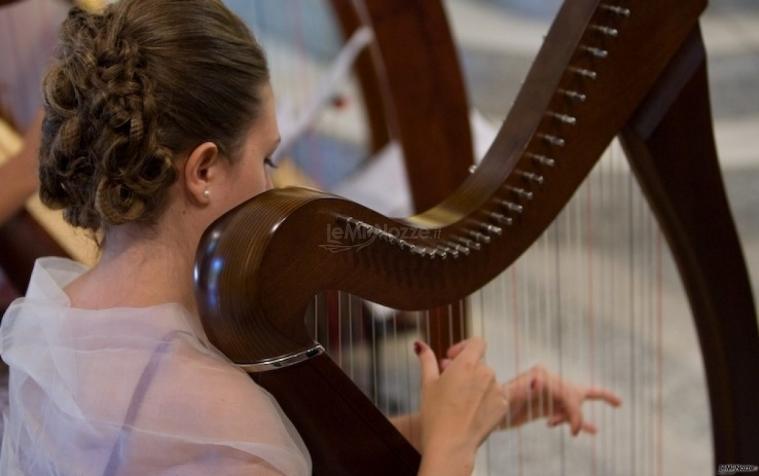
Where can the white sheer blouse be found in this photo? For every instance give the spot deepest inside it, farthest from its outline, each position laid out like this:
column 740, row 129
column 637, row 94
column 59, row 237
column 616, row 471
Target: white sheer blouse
column 130, row 391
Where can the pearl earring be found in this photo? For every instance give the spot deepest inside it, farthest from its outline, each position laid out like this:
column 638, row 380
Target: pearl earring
column 206, row 193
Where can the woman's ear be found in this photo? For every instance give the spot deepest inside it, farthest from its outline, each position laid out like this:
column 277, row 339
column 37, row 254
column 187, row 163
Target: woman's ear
column 202, row 171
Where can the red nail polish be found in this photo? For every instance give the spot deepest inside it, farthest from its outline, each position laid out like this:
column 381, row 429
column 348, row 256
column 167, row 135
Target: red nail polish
column 417, row 347
column 534, row 384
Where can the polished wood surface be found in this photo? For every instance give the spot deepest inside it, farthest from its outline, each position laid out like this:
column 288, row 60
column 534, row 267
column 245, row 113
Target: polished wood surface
column 369, row 81
column 259, row 266
column 333, row 412
column 425, row 98
column 679, row 172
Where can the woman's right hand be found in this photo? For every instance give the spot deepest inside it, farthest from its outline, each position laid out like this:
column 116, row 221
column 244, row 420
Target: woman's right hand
column 459, row 408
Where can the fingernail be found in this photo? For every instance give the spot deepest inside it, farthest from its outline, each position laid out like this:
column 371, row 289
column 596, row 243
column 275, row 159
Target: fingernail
column 533, row 384
column 417, row 347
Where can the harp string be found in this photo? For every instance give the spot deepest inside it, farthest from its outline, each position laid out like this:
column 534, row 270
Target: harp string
column 659, row 355
column 589, row 311
column 576, row 332
column 481, row 316
column 632, row 325
column 615, row 179
column 603, row 309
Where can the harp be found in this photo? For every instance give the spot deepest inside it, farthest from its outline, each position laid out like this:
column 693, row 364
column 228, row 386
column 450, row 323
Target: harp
column 631, row 69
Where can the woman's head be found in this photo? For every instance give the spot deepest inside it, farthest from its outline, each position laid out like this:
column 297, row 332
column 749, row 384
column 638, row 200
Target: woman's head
column 155, row 104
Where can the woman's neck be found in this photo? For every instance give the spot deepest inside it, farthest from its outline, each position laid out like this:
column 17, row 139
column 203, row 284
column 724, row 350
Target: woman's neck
column 137, row 271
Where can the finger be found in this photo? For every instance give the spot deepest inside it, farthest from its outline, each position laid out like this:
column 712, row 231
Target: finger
column 557, row 419
column 428, row 361
column 590, row 428
column 444, row 364
column 456, row 349
column 575, row 418
column 598, row 393
column 496, row 406
column 473, row 351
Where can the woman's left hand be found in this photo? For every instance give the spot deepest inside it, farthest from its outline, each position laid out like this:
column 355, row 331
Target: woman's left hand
column 538, row 393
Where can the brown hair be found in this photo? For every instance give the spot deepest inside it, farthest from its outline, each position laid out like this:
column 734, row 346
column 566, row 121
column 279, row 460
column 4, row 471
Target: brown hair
column 133, row 87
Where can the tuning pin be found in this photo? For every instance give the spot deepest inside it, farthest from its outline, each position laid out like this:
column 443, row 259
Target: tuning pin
column 563, row 118
column 551, row 139
column 586, row 73
column 512, row 207
column 457, row 248
column 416, row 250
column 617, row 10
column 472, row 245
column 574, row 95
column 520, row 192
column 387, row 236
column 608, row 31
column 492, row 229
column 452, row 251
column 595, row 52
column 530, row 177
column 501, row 219
column 542, row 159
column 425, row 252
column 479, row 237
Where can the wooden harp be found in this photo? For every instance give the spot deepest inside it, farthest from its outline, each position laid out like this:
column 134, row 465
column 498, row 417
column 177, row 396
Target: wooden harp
column 633, row 69
column 646, row 83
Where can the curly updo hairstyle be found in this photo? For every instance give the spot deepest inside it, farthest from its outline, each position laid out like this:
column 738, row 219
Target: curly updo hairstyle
column 134, row 86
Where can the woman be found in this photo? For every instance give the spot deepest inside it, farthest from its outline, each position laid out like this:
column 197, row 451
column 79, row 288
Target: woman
column 159, row 118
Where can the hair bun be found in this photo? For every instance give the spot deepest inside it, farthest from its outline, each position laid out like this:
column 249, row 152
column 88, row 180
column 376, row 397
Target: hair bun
column 104, row 102
column 116, row 203
column 107, row 153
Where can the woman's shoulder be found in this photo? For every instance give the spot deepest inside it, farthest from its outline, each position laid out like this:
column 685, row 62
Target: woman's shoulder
column 206, row 400
column 201, row 380
column 172, row 398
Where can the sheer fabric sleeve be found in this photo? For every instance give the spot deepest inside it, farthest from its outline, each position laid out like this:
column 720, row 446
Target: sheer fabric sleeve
column 131, row 391
column 210, row 418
